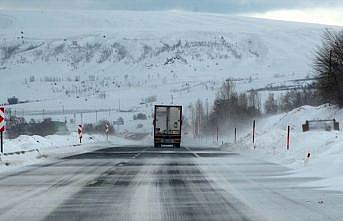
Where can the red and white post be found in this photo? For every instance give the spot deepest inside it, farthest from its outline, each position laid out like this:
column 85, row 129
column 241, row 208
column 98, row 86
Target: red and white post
column 79, row 132
column 107, row 130
column 2, row 127
column 288, row 137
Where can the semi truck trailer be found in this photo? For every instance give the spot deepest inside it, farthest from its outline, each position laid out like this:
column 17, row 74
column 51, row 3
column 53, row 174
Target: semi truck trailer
column 167, row 125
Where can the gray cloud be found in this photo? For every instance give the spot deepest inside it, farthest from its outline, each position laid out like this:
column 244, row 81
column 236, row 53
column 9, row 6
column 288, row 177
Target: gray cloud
column 221, row 6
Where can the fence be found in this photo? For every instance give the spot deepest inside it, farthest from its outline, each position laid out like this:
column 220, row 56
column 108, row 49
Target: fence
column 327, row 125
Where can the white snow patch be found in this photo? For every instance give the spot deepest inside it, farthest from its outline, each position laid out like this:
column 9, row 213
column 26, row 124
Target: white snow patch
column 325, row 147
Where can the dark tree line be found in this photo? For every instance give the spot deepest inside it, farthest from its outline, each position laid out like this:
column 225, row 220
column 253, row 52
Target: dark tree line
column 231, row 106
column 17, row 126
column 98, row 128
column 328, row 88
column 328, row 66
column 291, row 100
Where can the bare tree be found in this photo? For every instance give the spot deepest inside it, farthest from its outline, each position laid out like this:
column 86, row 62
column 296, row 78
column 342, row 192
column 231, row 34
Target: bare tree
column 270, row 105
column 231, row 106
column 328, row 65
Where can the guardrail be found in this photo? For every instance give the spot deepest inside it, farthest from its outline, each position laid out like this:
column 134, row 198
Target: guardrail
column 21, row 152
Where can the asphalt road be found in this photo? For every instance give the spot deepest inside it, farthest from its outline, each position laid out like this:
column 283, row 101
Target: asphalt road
column 143, row 183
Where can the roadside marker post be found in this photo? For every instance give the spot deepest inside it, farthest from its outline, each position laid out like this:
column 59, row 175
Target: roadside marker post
column 107, row 130
column 288, row 137
column 253, row 133
column 307, row 159
column 79, row 131
column 217, row 135
column 235, row 134
column 2, row 127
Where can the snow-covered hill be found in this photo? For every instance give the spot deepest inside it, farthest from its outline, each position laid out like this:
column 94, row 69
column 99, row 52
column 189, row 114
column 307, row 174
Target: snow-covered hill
column 97, row 59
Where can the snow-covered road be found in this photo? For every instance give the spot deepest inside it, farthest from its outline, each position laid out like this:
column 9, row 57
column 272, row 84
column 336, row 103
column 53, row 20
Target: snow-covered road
column 142, row 183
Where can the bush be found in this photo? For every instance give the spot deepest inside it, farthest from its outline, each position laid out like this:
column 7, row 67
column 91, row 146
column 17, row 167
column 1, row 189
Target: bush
column 140, row 116
column 297, row 98
column 139, row 126
column 98, row 128
column 13, row 100
column 150, row 99
column 120, row 121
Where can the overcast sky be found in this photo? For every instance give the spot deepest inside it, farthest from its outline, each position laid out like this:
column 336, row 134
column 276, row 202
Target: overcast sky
column 318, row 11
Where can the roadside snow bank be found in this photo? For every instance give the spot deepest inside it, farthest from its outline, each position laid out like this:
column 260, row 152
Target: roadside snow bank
column 325, row 147
column 27, row 150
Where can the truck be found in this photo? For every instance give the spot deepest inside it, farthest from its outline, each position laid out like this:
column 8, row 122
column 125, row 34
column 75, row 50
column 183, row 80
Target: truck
column 167, row 125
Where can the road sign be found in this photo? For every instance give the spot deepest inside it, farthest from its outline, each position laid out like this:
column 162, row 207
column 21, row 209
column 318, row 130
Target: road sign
column 2, row 119
column 79, row 130
column 107, row 130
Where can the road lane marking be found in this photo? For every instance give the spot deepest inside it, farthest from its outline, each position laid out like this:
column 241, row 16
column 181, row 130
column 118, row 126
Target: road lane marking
column 138, row 154
column 195, row 154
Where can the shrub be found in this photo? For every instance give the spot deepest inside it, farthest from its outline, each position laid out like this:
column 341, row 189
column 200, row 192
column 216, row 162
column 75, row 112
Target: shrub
column 13, row 100
column 98, row 128
column 17, row 126
column 140, row 116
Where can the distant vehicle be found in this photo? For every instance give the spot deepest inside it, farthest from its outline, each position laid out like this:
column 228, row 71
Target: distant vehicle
column 167, row 125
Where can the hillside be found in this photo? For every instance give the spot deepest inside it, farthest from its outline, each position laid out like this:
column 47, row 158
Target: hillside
column 87, row 66
column 93, row 60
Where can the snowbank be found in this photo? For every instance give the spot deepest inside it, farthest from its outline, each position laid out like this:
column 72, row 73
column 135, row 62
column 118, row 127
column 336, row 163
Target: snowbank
column 27, row 150
column 325, row 147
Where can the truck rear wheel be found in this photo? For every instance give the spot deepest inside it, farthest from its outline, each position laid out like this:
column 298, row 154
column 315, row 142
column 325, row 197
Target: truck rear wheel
column 177, row 145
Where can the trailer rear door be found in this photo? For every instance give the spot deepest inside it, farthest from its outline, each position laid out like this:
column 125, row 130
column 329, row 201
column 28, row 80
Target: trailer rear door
column 161, row 120
column 174, row 120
